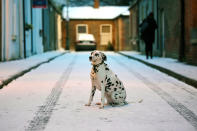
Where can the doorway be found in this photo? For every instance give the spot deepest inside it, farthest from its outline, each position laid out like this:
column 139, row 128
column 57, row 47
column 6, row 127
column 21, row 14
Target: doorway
column 106, row 34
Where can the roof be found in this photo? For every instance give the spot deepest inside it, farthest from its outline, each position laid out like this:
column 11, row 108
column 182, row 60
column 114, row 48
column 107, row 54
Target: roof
column 103, row 12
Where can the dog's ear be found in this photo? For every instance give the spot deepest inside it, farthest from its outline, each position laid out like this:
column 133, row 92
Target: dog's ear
column 104, row 57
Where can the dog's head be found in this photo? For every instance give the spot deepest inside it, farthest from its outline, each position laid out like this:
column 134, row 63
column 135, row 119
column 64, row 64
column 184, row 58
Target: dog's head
column 97, row 57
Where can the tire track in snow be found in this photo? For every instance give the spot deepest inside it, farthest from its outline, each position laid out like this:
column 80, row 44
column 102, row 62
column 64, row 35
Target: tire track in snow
column 45, row 111
column 180, row 108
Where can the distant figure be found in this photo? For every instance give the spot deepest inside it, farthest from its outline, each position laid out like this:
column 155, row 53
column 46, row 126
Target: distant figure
column 147, row 29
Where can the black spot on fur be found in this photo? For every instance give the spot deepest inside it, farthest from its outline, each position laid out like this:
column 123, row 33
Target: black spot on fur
column 105, row 78
column 108, row 79
column 115, row 89
column 109, row 83
column 101, row 81
column 107, row 69
column 122, row 88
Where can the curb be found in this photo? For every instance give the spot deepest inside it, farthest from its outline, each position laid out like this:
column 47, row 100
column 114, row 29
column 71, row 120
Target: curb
column 180, row 77
column 7, row 81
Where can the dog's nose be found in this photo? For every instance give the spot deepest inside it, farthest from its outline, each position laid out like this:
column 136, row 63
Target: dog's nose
column 90, row 58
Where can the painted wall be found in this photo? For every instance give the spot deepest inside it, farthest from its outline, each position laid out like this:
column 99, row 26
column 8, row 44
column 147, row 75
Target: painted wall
column 12, row 36
column 28, row 32
column 37, row 31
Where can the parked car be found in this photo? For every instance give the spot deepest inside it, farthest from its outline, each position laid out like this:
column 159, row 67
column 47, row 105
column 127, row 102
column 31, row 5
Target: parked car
column 85, row 42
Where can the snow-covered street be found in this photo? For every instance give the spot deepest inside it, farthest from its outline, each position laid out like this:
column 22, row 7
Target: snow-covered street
column 52, row 98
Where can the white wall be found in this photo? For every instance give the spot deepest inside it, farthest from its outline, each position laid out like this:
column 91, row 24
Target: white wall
column 27, row 5
column 12, row 29
column 37, row 26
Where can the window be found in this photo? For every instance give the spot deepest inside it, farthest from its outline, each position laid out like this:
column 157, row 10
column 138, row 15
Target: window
column 105, row 29
column 81, row 29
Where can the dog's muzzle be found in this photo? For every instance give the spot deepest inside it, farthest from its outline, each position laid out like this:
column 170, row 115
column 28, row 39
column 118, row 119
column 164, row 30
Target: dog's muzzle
column 90, row 58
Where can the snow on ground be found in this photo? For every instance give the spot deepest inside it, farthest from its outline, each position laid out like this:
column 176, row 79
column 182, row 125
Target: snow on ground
column 23, row 97
column 169, row 63
column 10, row 68
column 63, row 101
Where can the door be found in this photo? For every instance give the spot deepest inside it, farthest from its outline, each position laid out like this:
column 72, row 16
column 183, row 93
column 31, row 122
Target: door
column 106, row 34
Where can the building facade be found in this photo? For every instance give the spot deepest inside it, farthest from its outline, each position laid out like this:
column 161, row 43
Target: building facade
column 108, row 24
column 23, row 29
column 190, row 31
column 12, row 46
column 176, row 34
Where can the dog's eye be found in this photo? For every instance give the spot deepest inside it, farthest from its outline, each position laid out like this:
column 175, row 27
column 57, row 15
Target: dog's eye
column 96, row 54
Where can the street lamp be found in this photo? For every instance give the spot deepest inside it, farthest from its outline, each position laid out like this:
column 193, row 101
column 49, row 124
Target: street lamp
column 66, row 16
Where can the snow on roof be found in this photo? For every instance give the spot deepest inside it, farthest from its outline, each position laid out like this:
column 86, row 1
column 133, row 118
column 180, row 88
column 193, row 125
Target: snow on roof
column 88, row 12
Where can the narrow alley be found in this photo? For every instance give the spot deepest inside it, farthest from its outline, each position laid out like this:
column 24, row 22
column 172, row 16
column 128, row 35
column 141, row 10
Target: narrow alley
column 53, row 97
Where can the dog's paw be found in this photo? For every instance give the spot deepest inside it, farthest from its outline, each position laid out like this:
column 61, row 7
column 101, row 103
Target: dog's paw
column 87, row 104
column 101, row 107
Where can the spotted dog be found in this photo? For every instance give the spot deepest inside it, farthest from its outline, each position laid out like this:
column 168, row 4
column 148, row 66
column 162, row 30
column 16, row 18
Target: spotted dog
column 106, row 81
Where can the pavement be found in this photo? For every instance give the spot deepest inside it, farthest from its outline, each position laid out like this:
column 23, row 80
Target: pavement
column 179, row 70
column 11, row 70
column 182, row 71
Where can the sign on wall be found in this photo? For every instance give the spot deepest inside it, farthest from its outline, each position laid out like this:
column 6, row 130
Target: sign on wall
column 40, row 3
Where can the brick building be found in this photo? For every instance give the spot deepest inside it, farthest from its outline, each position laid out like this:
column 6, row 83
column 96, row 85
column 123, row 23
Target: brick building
column 122, row 33
column 190, row 33
column 133, row 26
column 107, row 24
column 176, row 36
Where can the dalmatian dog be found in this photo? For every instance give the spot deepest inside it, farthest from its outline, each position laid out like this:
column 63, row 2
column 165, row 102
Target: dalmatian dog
column 103, row 79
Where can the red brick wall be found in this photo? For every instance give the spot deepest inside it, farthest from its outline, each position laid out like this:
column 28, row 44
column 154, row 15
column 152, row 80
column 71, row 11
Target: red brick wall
column 93, row 28
column 190, row 23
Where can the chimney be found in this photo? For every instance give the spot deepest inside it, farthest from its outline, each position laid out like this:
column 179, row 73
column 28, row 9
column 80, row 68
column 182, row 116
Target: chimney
column 96, row 3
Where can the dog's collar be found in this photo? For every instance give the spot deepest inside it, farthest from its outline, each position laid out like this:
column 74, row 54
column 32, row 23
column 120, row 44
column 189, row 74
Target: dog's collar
column 95, row 67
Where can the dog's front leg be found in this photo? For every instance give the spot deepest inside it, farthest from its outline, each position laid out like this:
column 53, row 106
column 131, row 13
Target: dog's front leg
column 102, row 96
column 91, row 96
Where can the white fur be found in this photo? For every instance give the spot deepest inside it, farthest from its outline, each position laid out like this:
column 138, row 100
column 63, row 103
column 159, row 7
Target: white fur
column 106, row 81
